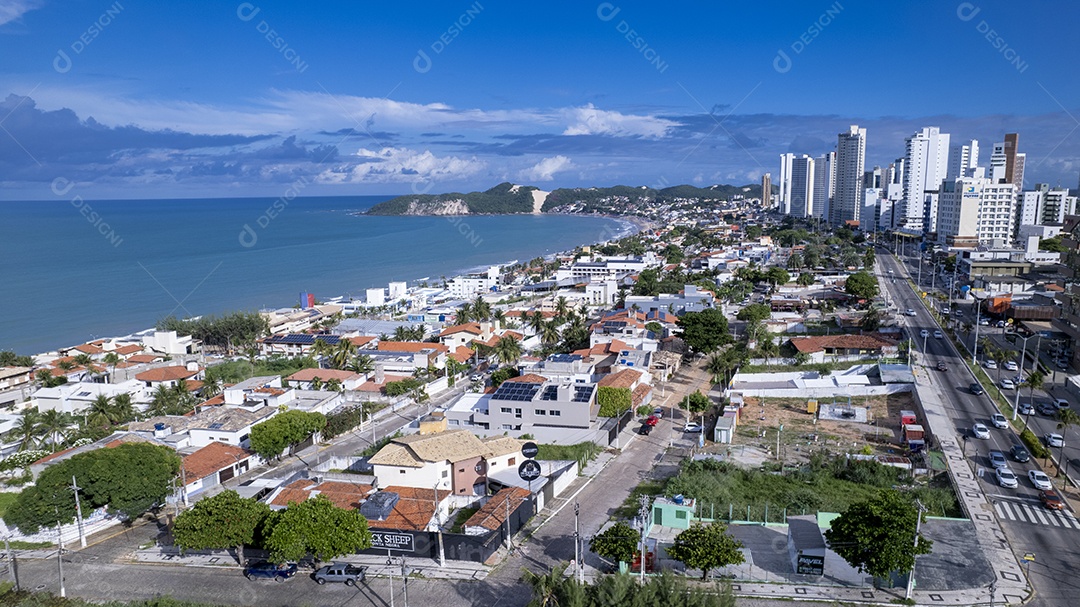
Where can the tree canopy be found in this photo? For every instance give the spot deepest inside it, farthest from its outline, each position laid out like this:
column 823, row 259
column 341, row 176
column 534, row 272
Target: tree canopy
column 706, row 547
column 617, row 543
column 225, row 520
column 704, row 331
column 862, row 285
column 130, row 479
column 878, row 535
column 316, row 527
column 754, row 312
column 271, row 437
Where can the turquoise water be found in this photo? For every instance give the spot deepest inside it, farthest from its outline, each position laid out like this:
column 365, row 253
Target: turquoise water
column 75, row 270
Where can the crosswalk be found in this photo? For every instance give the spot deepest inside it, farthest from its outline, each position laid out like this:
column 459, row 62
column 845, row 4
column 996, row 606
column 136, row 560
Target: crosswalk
column 1037, row 514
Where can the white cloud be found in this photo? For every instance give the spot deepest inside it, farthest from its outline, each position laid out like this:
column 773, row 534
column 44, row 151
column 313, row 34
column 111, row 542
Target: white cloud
column 590, row 120
column 10, row 10
column 401, row 165
column 545, row 169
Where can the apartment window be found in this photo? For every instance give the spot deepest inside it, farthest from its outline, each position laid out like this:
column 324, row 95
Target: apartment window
column 505, row 409
column 540, row 412
column 445, row 473
column 507, row 427
column 555, row 413
column 517, row 413
column 513, row 460
column 401, row 471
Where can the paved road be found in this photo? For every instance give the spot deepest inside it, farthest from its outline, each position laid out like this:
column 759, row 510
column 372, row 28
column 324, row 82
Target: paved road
column 1055, row 546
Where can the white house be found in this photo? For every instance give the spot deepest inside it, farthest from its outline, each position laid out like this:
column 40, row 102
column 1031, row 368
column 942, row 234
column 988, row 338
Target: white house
column 168, row 342
column 454, row 460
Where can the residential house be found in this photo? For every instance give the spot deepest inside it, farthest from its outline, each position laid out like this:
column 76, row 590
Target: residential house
column 690, row 299
column 171, row 344
column 15, row 377
column 550, row 411
column 455, row 460
column 214, row 464
column 826, row 347
column 169, row 376
column 396, row 507
column 464, row 334
column 424, row 354
column 225, row 424
column 305, row 378
column 75, row 398
column 293, row 344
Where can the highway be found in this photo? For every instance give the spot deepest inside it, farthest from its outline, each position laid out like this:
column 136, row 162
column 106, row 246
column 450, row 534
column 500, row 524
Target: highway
column 1052, row 537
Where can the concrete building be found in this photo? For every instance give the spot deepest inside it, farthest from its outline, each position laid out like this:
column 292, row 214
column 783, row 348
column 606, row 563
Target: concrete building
column 802, row 187
column 850, row 160
column 926, row 164
column 607, row 268
column 784, row 197
column 561, row 411
column 1046, row 206
column 456, row 461
column 824, row 185
column 468, row 286
column 962, row 158
column 766, row 190
column 974, row 210
column 171, row 344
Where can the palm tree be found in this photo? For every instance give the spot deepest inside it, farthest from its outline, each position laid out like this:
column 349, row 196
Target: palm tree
column 806, row 279
column 333, row 384
column 100, row 412
column 499, row 317
column 481, row 309
column 66, row 365
column 54, row 427
column 561, row 306
column 362, row 364
column 465, row 313
column 545, row 587
column 123, row 409
column 162, row 401
column 536, row 321
column 211, row 386
column 343, row 353
column 322, row 348
column 1034, row 382
column 1066, row 418
column 28, row 428
column 716, row 366
column 316, row 383
column 549, row 332
column 112, row 359
column 768, row 347
column 401, row 333
column 620, row 299
column 83, row 359
column 508, row 349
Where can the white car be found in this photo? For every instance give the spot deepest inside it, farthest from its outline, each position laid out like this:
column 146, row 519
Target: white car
column 1007, row 384
column 938, row 335
column 997, row 460
column 999, row 421
column 1061, row 403
column 1040, row 481
column 1010, row 365
column 980, row 431
column 693, row 428
column 909, row 312
column 1055, row 440
column 924, row 333
column 1006, row 478
column 990, row 364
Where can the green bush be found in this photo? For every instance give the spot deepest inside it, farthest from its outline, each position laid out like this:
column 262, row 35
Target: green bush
column 613, row 401
column 1033, row 443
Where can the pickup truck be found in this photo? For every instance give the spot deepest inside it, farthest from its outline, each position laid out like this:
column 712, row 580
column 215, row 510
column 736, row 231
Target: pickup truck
column 341, row 572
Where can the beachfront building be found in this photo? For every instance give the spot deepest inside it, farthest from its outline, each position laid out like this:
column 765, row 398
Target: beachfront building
column 464, row 334
column 690, row 299
column 75, row 398
column 306, row 378
column 608, row 268
column 168, row 377
column 214, row 464
column 424, row 354
column 171, row 344
column 468, row 286
column 293, row 344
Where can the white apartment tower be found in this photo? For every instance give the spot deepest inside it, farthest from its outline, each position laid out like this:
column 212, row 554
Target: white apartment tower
column 850, row 160
column 926, row 163
column 824, row 184
column 963, row 158
column 783, row 200
column 1045, row 205
column 802, row 187
column 975, row 210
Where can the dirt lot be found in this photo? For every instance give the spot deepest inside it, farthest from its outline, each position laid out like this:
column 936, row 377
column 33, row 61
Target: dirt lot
column 803, row 434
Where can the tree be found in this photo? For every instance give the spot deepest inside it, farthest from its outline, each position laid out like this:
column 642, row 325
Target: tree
column 613, row 401
column 1066, row 419
column 861, row 284
column 806, row 279
column 704, row 331
column 706, row 547
column 869, row 259
column 508, row 349
column 877, row 536
column 870, row 321
column 111, row 359
column 777, row 276
column 618, row 543
column 801, row 358
column 698, row 403
column 1034, row 382
column 100, row 412
column 768, row 347
column 222, row 521
column 316, row 527
column 562, row 306
column 717, row 367
column 28, row 428
column 754, row 313
column 796, row 261
column 271, row 437
column 362, row 364
column 343, row 353
column 54, row 426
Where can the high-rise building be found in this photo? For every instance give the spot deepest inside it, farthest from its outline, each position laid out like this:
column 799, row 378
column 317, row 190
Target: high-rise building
column 802, row 187
column 926, row 163
column 824, row 184
column 1014, row 166
column 766, row 190
column 963, row 158
column 850, row 160
column 975, row 210
column 784, row 199
column 1046, row 206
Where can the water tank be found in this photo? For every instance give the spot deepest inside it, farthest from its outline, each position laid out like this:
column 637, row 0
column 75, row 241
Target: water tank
column 678, row 499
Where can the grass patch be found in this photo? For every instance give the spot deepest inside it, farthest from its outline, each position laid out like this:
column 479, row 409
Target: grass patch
column 837, row 366
column 6, row 500
column 463, row 515
column 21, row 545
column 582, row 453
column 630, row 506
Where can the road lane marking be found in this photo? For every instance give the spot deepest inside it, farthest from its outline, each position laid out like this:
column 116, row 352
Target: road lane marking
column 1038, row 514
column 1003, row 512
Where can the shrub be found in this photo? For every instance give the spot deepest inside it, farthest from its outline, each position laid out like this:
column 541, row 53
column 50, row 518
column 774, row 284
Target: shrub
column 613, row 401
column 1033, row 443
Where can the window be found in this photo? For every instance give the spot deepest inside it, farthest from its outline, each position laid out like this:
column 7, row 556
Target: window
column 461, row 470
column 505, row 410
column 517, row 413
column 513, row 460
column 680, row 514
column 401, row 471
column 445, row 473
column 507, row 427
column 540, row 412
column 555, row 413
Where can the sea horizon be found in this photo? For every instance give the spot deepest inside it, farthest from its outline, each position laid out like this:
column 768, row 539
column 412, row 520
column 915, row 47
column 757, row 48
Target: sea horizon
column 114, row 267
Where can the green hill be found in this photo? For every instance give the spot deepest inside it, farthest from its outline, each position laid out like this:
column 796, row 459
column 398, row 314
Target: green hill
column 501, row 199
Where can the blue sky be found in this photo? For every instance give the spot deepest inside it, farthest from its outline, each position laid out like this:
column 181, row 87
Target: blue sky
column 131, row 99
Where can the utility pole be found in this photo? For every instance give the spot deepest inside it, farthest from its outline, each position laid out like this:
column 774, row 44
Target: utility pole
column 390, row 573
column 78, row 512
column 975, row 346
column 579, row 546
column 404, row 582
column 60, row 553
column 643, row 512
column 918, row 526
column 11, row 559
column 438, row 523
column 1023, row 359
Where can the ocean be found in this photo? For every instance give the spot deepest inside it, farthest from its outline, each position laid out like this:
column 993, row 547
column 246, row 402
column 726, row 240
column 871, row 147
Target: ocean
column 77, row 270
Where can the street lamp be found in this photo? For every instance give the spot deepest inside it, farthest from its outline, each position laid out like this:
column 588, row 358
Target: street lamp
column 1023, row 357
column 978, row 317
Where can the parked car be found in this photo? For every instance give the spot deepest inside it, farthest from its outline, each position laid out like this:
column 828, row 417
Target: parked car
column 1026, row 409
column 652, row 420
column 941, row 366
column 645, row 429
column 909, row 312
column 1000, row 324
column 1061, row 364
column 997, row 460
column 1061, row 403
column 1007, row 384
column 999, row 421
column 347, row 573
column 1046, row 408
column 938, row 335
column 693, row 427
column 1054, row 439
column 990, row 364
column 1019, row 453
column 1051, row 500
column 976, row 389
column 658, row 413
column 1040, row 481
column 984, row 322
column 1010, row 365
column 278, row 572
column 980, row 431
column 476, row 377
column 1006, row 478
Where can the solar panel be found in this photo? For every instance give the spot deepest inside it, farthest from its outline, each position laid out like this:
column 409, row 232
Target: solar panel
column 516, row 391
column 550, row 393
column 216, row 426
column 582, row 394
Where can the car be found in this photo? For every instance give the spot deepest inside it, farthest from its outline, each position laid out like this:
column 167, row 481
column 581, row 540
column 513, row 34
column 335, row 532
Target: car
column 476, row 377
column 1019, row 453
column 1000, row 324
column 984, row 322
column 278, row 572
column 924, row 333
column 958, row 312
column 1026, row 409
column 644, row 430
column 976, row 389
column 347, row 573
column 999, row 421
column 658, row 412
column 1054, row 439
column 652, row 420
column 1010, row 365
column 1046, row 408
column 1061, row 403
column 946, row 310
column 909, row 312
column 1006, row 478
column 980, row 431
column 938, row 335
column 1061, row 364
column 997, row 460
column 693, row 428
column 941, row 366
column 990, row 364
column 1040, row 481
column 1007, row 384
column 1051, row 500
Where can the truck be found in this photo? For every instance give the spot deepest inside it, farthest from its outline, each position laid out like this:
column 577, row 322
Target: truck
column 341, row 572
column 915, row 437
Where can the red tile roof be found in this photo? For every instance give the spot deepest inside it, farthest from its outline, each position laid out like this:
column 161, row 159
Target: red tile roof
column 166, row 374
column 371, row 386
column 89, row 349
column 623, row 379
column 411, row 346
column 469, row 327
column 361, row 340
column 462, row 354
column 212, row 458
column 848, row 342
column 414, row 510
column 638, row 395
column 528, row 378
column 322, row 374
column 128, row 349
column 145, row 358
column 493, row 514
